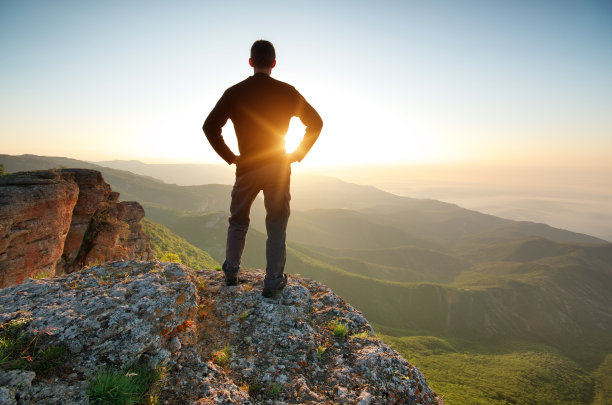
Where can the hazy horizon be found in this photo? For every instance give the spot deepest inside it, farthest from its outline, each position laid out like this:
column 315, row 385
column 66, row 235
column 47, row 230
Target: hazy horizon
column 502, row 107
column 576, row 198
column 395, row 82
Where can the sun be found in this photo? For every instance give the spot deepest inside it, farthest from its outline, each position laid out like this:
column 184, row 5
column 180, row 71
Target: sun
column 294, row 134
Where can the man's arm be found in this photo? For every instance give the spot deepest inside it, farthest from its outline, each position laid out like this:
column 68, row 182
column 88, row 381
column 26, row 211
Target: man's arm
column 313, row 122
column 212, row 129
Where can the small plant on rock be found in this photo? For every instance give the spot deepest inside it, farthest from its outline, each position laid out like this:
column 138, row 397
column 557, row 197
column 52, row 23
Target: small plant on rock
column 200, row 282
column 255, row 389
column 339, row 329
column 274, row 390
column 42, row 275
column 223, row 356
column 320, row 352
column 366, row 335
column 135, row 385
column 24, row 351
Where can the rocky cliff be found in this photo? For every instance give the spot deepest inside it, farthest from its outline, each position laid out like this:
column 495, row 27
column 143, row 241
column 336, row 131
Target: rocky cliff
column 57, row 221
column 218, row 344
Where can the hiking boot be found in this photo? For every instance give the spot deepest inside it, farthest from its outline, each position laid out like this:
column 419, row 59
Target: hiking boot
column 275, row 292
column 231, row 274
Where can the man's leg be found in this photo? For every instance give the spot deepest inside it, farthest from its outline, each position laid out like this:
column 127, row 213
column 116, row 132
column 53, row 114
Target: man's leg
column 243, row 194
column 276, row 200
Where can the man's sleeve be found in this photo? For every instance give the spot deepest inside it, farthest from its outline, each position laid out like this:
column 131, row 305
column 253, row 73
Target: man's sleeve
column 212, row 129
column 313, row 122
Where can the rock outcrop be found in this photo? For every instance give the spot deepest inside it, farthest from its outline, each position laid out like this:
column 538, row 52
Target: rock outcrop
column 163, row 314
column 58, row 221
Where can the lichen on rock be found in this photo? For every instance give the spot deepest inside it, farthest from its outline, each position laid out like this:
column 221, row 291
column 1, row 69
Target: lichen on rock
column 164, row 314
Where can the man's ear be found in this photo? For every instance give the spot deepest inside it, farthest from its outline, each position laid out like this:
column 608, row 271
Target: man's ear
column 273, row 63
column 251, row 62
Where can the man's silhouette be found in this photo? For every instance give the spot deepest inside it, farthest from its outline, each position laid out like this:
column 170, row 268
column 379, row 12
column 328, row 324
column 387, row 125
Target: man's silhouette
column 260, row 108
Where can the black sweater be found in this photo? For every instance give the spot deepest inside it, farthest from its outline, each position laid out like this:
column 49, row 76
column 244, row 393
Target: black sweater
column 260, row 108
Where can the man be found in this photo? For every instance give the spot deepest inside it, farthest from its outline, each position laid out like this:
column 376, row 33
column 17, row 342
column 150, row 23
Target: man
column 260, row 108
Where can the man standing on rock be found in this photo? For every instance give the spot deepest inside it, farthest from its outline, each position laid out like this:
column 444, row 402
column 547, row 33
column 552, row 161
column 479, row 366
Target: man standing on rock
column 260, row 108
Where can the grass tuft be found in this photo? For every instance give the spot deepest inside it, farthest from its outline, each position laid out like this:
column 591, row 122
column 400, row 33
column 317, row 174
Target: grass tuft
column 136, row 385
column 255, row 389
column 339, row 329
column 23, row 351
column 223, row 356
column 320, row 352
column 274, row 390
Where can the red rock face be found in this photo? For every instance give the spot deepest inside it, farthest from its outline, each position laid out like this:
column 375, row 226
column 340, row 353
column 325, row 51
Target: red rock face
column 114, row 233
column 35, row 213
column 93, row 191
column 45, row 227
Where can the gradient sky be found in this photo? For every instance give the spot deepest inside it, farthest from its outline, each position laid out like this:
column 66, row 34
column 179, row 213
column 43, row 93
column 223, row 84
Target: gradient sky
column 395, row 81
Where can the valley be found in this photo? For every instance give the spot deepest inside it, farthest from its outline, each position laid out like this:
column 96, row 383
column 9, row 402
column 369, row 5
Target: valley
column 491, row 309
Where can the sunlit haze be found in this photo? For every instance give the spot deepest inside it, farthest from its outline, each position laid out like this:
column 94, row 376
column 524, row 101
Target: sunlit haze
column 395, row 82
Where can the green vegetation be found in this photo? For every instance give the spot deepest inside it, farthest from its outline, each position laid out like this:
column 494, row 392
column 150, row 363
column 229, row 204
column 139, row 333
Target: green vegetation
column 42, row 275
column 26, row 351
column 603, row 382
column 222, row 357
column 135, row 385
column 168, row 246
column 274, row 390
column 505, row 372
column 255, row 388
column 367, row 335
column 339, row 329
column 436, row 279
column 320, row 352
column 1, row 169
column 171, row 258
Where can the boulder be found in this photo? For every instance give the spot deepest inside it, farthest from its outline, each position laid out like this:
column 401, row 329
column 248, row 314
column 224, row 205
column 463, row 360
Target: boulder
column 280, row 350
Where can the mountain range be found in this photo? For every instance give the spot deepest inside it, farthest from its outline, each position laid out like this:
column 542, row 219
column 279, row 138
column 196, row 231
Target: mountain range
column 414, row 267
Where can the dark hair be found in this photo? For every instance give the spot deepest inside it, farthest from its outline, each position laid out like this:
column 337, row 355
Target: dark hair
column 263, row 53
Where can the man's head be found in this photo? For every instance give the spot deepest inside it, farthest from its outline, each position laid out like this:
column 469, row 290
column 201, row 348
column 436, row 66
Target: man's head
column 263, row 55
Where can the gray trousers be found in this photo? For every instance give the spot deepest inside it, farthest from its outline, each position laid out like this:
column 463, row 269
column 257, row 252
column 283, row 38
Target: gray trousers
column 273, row 180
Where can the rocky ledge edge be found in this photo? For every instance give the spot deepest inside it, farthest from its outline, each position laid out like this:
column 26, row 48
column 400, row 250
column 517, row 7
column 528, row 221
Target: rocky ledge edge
column 114, row 315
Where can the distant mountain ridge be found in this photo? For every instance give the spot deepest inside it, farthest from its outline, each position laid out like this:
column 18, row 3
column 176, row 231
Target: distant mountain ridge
column 412, row 266
column 490, row 274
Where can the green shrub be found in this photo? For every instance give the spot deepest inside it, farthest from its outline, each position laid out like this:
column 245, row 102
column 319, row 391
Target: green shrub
column 170, row 257
column 339, row 329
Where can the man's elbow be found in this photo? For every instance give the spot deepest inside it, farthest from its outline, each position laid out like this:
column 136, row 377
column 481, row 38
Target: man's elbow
column 318, row 126
column 206, row 127
column 210, row 130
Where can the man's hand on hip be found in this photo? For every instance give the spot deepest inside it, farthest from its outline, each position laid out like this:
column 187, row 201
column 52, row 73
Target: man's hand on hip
column 291, row 157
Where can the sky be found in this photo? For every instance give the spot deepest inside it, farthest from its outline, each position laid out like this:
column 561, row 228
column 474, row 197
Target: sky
column 394, row 81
